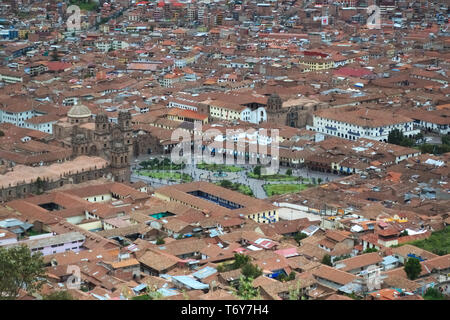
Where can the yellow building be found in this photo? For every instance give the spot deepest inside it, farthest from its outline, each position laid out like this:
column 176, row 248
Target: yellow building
column 23, row 33
column 314, row 64
column 226, row 111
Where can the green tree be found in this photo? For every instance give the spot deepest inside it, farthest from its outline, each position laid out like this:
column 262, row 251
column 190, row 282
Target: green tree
column 413, row 268
column 19, row 268
column 240, row 260
column 446, row 139
column 160, row 240
column 59, row 295
column 370, row 250
column 418, row 136
column 284, row 278
column 251, row 271
column 345, row 256
column 403, row 233
column 395, row 137
column 353, row 295
column 428, row 148
column 319, row 180
column 327, row 260
column 226, row 184
column 433, row 294
column 299, row 236
column 245, row 290
column 1, row 133
column 295, row 292
column 289, row 172
column 153, row 293
column 440, row 252
column 257, row 171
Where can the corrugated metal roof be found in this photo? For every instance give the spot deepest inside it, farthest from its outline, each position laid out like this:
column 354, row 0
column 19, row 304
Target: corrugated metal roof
column 140, row 287
column 190, row 282
column 205, row 272
column 168, row 292
column 389, row 260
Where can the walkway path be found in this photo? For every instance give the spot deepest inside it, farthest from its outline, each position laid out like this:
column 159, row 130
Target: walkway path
column 240, row 177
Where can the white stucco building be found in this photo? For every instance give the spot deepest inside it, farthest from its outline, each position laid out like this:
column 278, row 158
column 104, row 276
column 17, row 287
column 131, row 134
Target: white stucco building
column 361, row 122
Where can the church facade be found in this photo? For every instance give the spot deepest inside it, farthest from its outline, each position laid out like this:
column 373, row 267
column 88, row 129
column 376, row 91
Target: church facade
column 295, row 113
column 111, row 141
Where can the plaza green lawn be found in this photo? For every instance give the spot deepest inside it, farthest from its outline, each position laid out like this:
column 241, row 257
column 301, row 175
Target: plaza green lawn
column 277, row 189
column 218, row 167
column 165, row 164
column 167, row 175
column 242, row 188
column 273, row 177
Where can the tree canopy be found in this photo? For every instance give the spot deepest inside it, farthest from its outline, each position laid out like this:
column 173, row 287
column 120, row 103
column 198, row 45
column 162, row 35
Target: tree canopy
column 59, row 295
column 433, row 294
column 327, row 260
column 300, row 236
column 245, row 290
column 251, row 271
column 397, row 137
column 413, row 268
column 20, row 269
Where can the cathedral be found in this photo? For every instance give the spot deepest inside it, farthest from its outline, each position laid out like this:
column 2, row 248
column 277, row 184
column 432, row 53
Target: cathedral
column 295, row 113
column 99, row 137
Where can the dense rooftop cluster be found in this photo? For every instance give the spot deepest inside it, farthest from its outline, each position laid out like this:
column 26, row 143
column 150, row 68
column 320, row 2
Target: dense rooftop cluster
column 357, row 116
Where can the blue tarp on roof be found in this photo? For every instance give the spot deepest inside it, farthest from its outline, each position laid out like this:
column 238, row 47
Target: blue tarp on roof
column 204, row 273
column 190, row 282
column 389, row 260
column 412, row 255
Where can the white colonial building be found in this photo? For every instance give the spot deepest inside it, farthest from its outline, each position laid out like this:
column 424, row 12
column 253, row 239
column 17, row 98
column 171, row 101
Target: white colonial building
column 361, row 122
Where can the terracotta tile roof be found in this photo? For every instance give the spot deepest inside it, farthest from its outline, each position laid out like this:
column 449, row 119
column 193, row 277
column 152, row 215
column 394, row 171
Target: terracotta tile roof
column 125, row 263
column 335, row 296
column 360, row 261
column 157, row 261
column 363, row 116
column 334, row 275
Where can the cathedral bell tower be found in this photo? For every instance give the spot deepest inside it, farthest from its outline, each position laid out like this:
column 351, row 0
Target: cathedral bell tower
column 101, row 133
column 274, row 103
column 120, row 158
column 124, row 121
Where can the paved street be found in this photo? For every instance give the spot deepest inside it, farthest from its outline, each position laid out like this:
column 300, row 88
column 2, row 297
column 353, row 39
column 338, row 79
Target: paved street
column 240, row 177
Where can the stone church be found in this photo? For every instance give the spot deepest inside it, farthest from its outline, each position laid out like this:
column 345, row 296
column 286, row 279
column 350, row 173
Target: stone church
column 295, row 113
column 99, row 137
